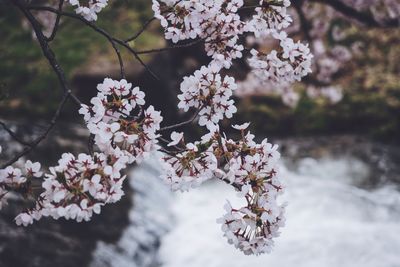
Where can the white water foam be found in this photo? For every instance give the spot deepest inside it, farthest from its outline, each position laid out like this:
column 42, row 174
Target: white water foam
column 150, row 218
column 330, row 222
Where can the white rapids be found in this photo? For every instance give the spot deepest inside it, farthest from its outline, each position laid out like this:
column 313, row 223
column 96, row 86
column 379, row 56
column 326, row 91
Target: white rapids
column 331, row 222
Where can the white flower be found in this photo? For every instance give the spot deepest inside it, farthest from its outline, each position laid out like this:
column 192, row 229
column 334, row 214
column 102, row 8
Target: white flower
column 106, row 131
column 12, row 175
column 176, row 138
column 241, row 127
column 93, row 185
column 24, row 219
column 137, row 97
column 88, row 9
column 33, row 169
column 208, row 91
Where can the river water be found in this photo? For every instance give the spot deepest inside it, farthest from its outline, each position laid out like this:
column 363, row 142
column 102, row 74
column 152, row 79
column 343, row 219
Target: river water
column 343, row 211
column 334, row 218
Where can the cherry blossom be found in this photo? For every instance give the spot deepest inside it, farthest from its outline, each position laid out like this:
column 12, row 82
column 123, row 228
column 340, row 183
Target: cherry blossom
column 285, row 67
column 270, row 17
column 124, row 130
column 217, row 22
column 88, row 9
column 243, row 126
column 176, row 138
column 251, row 168
column 12, row 176
column 33, row 169
column 79, row 186
column 207, row 91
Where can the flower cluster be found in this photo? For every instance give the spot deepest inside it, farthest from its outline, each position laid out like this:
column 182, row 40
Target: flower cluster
column 124, row 131
column 270, row 17
column 219, row 24
column 207, row 91
column 18, row 179
column 189, row 168
column 216, row 22
column 333, row 94
column 78, row 187
column 12, row 177
column 253, row 168
column 250, row 167
column 88, row 8
column 116, row 131
column 284, row 67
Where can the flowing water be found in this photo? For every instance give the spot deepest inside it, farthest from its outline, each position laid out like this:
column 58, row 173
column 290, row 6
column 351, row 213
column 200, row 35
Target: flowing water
column 330, row 222
column 333, row 219
column 343, row 211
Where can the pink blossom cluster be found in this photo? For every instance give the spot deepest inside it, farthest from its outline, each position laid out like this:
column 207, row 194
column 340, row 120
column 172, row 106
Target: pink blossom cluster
column 18, row 179
column 279, row 68
column 270, row 17
column 208, row 92
column 119, row 122
column 77, row 187
column 88, row 8
column 219, row 24
column 214, row 21
column 124, row 131
column 250, row 167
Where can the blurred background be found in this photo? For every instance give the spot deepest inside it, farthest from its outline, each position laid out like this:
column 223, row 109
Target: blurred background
column 338, row 131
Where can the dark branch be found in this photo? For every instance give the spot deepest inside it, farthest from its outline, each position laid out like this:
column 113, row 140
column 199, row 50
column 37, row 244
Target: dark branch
column 182, row 123
column 47, row 52
column 110, row 38
column 57, row 22
column 304, row 23
column 140, row 31
column 158, row 50
column 364, row 17
column 39, row 139
column 14, row 135
column 236, row 186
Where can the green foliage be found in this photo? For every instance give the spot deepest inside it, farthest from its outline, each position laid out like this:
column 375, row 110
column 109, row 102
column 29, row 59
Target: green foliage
column 28, row 84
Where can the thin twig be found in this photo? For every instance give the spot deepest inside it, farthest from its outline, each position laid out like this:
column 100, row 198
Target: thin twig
column 47, row 52
column 158, row 50
column 121, row 62
column 43, row 135
column 140, row 31
column 366, row 18
column 14, row 135
column 57, row 22
column 182, row 123
column 110, row 38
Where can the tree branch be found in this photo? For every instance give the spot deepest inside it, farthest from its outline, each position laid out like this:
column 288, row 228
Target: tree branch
column 39, row 139
column 47, row 52
column 304, row 23
column 14, row 135
column 140, row 31
column 182, row 123
column 57, row 22
column 363, row 17
column 110, row 38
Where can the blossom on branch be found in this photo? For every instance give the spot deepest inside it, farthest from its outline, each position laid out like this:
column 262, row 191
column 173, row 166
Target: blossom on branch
column 123, row 130
column 284, row 67
column 88, row 8
column 207, row 91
